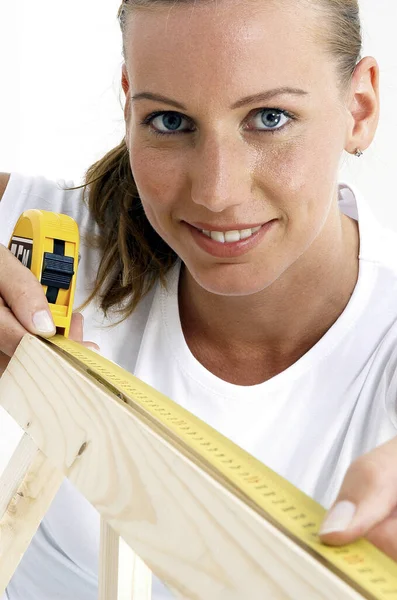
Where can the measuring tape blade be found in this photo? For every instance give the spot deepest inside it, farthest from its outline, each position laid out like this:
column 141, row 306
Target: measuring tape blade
column 360, row 564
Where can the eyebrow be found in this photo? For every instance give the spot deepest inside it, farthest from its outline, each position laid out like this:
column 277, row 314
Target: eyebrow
column 261, row 97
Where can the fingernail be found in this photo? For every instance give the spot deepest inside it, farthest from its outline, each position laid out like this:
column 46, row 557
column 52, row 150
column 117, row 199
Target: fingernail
column 43, row 322
column 339, row 518
column 97, row 350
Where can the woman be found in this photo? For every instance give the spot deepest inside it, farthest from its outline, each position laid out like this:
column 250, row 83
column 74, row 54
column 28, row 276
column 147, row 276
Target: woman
column 255, row 290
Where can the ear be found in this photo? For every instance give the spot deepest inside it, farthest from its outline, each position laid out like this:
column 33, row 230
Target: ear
column 363, row 105
column 125, row 82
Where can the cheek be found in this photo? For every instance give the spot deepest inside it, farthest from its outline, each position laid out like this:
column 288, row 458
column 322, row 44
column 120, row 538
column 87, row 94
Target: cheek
column 158, row 178
column 293, row 164
column 299, row 174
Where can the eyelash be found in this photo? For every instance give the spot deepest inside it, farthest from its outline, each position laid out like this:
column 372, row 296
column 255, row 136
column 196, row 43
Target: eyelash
column 148, row 120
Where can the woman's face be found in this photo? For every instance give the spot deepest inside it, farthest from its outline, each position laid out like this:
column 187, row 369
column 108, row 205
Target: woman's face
column 244, row 129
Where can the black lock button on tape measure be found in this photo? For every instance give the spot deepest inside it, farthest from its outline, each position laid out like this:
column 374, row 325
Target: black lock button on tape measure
column 48, row 244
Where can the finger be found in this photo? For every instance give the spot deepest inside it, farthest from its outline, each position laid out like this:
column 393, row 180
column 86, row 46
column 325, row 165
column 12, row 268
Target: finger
column 92, row 346
column 76, row 332
column 4, row 360
column 11, row 331
column 24, row 295
column 384, row 535
column 76, row 327
column 368, row 496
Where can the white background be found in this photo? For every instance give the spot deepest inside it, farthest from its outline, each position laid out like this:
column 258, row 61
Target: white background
column 61, row 99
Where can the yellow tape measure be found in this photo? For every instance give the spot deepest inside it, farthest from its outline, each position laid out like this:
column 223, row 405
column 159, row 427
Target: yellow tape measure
column 47, row 243
column 361, row 565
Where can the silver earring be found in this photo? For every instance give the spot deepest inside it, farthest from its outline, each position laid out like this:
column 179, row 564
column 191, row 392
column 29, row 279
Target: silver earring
column 358, row 152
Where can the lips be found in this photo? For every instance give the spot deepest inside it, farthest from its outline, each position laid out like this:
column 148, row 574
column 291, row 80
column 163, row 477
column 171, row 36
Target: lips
column 223, row 243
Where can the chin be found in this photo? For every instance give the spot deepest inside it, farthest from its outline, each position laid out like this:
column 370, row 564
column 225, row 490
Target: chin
column 226, row 280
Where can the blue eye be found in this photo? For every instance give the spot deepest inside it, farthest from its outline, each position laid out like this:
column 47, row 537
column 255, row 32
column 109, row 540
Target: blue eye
column 271, row 118
column 169, row 122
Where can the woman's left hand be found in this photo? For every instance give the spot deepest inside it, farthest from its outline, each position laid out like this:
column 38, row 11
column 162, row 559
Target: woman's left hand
column 367, row 502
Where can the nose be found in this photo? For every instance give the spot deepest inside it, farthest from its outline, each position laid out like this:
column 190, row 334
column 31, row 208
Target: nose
column 220, row 174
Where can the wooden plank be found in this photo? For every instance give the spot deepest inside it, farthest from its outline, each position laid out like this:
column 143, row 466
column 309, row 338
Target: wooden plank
column 16, row 470
column 27, row 488
column 193, row 533
column 122, row 574
column 135, row 578
column 108, row 562
column 141, row 580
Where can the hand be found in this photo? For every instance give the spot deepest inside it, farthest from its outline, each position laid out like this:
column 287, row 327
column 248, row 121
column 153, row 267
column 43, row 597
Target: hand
column 24, row 308
column 76, row 332
column 368, row 498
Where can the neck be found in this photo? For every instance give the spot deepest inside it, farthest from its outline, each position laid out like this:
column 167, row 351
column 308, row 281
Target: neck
column 281, row 323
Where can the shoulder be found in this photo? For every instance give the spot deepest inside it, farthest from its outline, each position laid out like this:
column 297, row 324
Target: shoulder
column 22, row 192
column 384, row 251
column 4, row 179
column 378, row 243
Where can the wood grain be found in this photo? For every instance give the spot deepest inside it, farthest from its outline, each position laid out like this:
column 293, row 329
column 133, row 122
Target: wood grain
column 135, row 579
column 122, row 574
column 194, row 534
column 27, row 488
column 108, row 562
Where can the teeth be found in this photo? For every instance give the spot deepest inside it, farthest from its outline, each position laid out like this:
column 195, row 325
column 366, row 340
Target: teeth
column 218, row 236
column 230, row 236
column 245, row 233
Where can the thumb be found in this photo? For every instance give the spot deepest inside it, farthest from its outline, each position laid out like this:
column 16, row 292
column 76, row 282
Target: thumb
column 368, row 496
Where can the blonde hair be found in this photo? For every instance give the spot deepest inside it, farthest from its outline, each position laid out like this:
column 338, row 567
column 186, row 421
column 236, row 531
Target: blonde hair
column 134, row 256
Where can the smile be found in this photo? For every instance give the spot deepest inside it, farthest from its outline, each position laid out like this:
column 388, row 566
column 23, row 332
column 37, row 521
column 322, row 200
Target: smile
column 230, row 236
column 229, row 243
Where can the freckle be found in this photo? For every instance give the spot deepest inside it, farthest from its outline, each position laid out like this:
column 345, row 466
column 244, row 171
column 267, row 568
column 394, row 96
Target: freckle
column 83, row 447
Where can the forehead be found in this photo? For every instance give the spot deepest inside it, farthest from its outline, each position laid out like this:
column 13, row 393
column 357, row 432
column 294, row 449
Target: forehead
column 224, row 46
